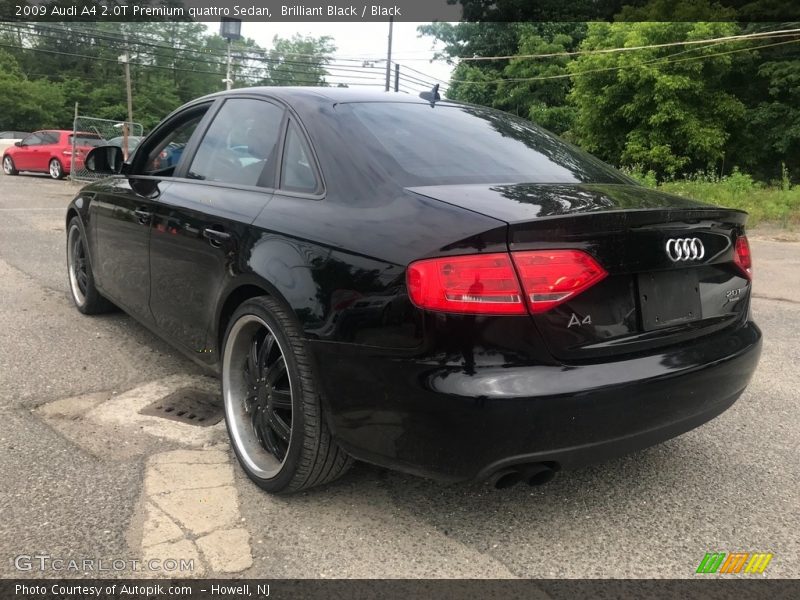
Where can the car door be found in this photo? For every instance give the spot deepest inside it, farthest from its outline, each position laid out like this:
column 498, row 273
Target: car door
column 122, row 214
column 49, row 148
column 28, row 147
column 202, row 222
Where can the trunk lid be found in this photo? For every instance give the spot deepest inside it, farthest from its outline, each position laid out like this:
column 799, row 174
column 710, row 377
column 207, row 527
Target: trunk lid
column 670, row 261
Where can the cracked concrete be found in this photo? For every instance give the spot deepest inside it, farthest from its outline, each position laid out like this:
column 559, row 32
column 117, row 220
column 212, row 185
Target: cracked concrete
column 192, row 511
column 123, row 409
column 189, row 500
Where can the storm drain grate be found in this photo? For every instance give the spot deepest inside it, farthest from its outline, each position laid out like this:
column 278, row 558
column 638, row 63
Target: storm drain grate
column 188, row 405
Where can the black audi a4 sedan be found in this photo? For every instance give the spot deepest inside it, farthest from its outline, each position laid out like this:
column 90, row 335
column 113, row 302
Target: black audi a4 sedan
column 429, row 286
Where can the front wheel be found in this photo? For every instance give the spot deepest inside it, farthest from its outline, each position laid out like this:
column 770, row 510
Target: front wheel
column 81, row 281
column 272, row 404
column 56, row 170
column 8, row 166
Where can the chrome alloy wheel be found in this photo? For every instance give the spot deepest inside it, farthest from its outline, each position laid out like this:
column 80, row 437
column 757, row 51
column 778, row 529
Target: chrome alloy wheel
column 257, row 393
column 78, row 265
column 55, row 169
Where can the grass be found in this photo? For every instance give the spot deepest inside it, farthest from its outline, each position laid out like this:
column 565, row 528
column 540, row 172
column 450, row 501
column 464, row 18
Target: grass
column 778, row 205
column 765, row 204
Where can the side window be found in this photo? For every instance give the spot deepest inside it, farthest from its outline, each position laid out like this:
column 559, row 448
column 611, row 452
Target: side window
column 50, row 137
column 297, row 174
column 164, row 156
column 34, row 139
column 240, row 145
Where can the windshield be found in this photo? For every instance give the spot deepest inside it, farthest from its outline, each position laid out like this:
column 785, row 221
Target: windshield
column 446, row 144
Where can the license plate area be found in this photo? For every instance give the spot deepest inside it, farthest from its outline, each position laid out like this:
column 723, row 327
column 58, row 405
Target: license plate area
column 668, row 298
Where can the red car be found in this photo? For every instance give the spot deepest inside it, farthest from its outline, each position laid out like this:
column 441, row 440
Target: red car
column 49, row 151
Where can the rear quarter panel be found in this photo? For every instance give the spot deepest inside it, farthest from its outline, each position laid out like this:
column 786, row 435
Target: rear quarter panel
column 341, row 268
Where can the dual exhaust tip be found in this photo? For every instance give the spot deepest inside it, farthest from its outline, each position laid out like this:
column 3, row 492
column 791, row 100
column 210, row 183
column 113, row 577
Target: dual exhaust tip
column 532, row 474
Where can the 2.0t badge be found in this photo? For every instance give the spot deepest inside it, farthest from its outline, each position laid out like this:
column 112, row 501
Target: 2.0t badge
column 683, row 249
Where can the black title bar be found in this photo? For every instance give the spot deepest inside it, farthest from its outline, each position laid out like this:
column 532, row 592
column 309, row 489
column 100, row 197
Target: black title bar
column 706, row 587
column 399, row 10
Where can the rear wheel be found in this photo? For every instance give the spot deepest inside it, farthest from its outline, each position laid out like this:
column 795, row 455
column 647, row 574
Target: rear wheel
column 56, row 170
column 81, row 281
column 272, row 404
column 8, row 166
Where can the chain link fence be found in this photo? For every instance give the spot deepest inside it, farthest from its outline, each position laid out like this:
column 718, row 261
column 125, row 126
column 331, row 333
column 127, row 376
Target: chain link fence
column 89, row 132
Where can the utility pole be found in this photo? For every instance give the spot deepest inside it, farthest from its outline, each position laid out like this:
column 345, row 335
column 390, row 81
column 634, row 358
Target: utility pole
column 125, row 60
column 228, row 79
column 230, row 29
column 389, row 56
column 74, row 144
column 130, row 93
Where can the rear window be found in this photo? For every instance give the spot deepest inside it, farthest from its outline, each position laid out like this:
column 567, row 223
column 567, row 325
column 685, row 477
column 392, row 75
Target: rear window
column 445, row 144
column 86, row 139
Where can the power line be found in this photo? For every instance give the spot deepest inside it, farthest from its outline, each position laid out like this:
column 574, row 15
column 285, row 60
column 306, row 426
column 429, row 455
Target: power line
column 415, row 79
column 407, row 68
column 664, row 60
column 202, row 56
column 263, row 55
column 150, row 42
column 149, row 66
column 406, row 89
column 342, row 73
column 278, row 61
column 712, row 41
column 427, row 84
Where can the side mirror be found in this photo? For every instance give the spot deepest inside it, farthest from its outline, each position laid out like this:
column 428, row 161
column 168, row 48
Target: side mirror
column 105, row 160
column 18, row 144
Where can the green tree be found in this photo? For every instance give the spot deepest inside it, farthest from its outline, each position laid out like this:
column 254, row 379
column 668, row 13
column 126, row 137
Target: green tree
column 775, row 122
column 529, row 87
column 24, row 104
column 537, row 88
column 48, row 67
column 663, row 109
column 472, row 81
column 299, row 60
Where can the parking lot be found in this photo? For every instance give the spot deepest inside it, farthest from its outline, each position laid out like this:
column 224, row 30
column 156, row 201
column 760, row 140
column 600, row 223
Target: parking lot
column 85, row 476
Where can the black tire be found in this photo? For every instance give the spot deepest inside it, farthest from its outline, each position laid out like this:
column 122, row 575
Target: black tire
column 311, row 457
column 8, row 166
column 55, row 169
column 79, row 272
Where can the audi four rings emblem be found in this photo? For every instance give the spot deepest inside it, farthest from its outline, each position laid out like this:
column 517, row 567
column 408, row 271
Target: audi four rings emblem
column 683, row 249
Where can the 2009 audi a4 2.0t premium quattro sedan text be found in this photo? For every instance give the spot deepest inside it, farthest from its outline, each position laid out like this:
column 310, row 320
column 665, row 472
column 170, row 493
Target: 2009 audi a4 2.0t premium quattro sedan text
column 430, row 286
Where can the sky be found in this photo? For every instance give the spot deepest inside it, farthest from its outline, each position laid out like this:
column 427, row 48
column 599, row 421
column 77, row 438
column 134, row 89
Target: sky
column 364, row 41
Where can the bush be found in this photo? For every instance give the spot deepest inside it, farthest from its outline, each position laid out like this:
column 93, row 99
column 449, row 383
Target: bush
column 636, row 172
column 738, row 183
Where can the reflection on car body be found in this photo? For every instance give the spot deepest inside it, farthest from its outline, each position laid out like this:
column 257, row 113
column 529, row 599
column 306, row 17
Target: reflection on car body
column 430, row 286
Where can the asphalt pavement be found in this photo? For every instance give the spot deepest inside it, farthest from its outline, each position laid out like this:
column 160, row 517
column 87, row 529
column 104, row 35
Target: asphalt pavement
column 85, row 476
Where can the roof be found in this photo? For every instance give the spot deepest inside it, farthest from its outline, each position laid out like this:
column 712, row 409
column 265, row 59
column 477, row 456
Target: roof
column 332, row 94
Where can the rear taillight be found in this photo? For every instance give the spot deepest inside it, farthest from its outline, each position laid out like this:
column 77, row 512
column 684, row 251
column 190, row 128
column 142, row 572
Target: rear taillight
column 551, row 277
column 742, row 258
column 490, row 283
column 478, row 284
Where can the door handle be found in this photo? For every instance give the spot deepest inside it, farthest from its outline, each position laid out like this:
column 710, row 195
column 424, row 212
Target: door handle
column 215, row 237
column 143, row 216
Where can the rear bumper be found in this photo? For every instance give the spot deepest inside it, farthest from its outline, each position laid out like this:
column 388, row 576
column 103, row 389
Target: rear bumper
column 453, row 423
